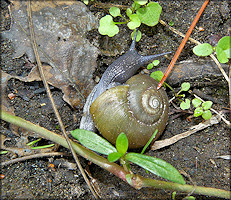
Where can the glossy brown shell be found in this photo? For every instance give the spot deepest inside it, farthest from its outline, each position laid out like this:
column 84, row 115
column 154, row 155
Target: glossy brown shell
column 127, row 109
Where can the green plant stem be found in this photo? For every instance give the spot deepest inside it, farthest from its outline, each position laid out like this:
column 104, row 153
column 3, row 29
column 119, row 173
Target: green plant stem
column 137, row 182
column 121, row 22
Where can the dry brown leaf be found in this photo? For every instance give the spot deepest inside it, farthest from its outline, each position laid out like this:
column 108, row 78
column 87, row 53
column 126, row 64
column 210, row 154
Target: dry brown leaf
column 60, row 31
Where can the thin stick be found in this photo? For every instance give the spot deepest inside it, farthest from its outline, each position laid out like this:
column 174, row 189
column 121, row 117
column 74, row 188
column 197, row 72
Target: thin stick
column 174, row 59
column 52, row 100
column 38, row 155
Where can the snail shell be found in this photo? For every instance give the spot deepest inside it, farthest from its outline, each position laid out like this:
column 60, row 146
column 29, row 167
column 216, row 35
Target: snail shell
column 136, row 108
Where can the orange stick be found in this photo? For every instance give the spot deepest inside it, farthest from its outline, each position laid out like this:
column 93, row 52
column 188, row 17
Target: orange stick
column 174, row 59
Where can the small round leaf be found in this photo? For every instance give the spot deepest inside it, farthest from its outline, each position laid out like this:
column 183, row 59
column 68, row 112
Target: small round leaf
column 185, row 86
column 150, row 66
column 150, row 14
column 196, row 102
column 156, row 62
column 185, row 105
column 135, row 21
column 207, row 115
column 203, row 49
column 114, row 11
column 107, row 26
column 224, row 49
column 141, row 2
column 128, row 12
column 198, row 112
column 207, row 105
column 157, row 75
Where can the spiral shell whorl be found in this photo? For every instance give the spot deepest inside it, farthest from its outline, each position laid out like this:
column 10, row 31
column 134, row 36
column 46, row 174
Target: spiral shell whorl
column 120, row 109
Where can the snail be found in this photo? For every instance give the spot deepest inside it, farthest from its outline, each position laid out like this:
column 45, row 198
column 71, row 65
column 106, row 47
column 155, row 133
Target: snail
column 116, row 74
column 136, row 108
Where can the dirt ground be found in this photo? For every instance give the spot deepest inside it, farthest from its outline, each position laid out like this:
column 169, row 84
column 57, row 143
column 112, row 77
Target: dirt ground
column 196, row 154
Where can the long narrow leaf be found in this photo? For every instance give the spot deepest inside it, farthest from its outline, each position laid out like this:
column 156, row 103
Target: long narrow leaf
column 93, row 141
column 156, row 166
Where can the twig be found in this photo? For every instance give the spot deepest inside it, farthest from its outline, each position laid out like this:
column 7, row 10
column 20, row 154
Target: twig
column 137, row 182
column 175, row 57
column 52, row 100
column 163, row 143
column 39, row 155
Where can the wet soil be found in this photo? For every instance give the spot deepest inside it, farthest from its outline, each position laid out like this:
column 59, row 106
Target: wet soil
column 34, row 179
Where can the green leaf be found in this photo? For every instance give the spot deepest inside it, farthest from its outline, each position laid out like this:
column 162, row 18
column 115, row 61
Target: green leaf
column 157, row 75
column 185, row 105
column 207, row 105
column 138, row 36
column 93, row 141
column 135, row 21
column 114, row 156
column 204, row 49
column 150, row 14
column 114, row 11
column 141, row 2
column 224, row 49
column 156, row 62
column 135, row 6
column 42, row 147
column 190, row 198
column 128, row 12
column 149, row 141
column 150, row 66
column 185, row 86
column 196, row 102
column 198, row 112
column 171, row 23
column 107, row 26
column 129, row 178
column 3, row 152
column 157, row 166
column 207, row 115
column 122, row 143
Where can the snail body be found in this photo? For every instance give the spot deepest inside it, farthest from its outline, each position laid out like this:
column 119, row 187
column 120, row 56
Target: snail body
column 117, row 73
column 136, row 108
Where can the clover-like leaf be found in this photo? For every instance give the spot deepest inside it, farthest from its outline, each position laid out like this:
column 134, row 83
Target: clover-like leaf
column 107, row 26
column 204, row 49
column 224, row 49
column 93, row 141
column 198, row 112
column 207, row 115
column 184, row 105
column 135, row 21
column 157, row 166
column 157, row 75
column 114, row 11
column 196, row 102
column 207, row 105
column 150, row 14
